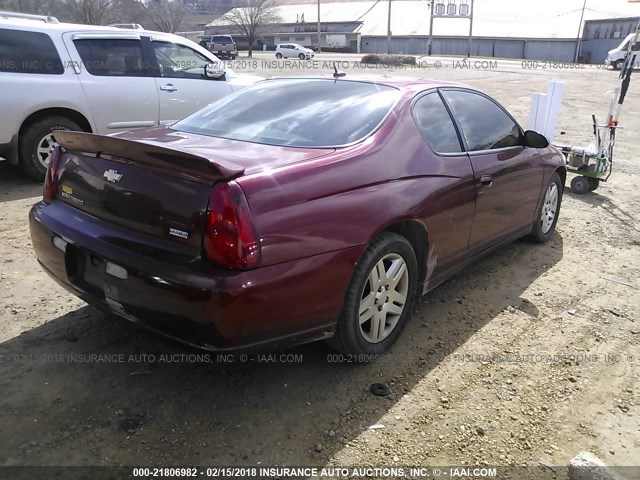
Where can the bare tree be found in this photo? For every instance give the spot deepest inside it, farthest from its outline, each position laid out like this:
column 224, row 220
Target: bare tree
column 94, row 12
column 166, row 15
column 253, row 19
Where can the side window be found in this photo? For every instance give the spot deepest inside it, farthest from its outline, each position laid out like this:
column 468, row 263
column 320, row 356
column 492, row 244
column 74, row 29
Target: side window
column 177, row 61
column 485, row 126
column 112, row 57
column 28, row 52
column 435, row 124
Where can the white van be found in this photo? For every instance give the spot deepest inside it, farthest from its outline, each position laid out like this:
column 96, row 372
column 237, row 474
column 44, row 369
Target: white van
column 61, row 76
column 615, row 57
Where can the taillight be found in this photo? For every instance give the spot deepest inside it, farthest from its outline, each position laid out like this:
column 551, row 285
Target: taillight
column 230, row 239
column 51, row 177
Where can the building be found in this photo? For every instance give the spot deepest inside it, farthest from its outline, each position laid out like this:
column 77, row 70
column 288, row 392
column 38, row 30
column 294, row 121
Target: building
column 600, row 36
column 541, row 30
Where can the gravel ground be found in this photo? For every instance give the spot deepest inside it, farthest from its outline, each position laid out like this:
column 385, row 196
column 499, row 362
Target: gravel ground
column 525, row 358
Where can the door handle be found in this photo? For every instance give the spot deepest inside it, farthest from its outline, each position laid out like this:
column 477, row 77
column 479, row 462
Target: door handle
column 486, row 180
column 168, row 88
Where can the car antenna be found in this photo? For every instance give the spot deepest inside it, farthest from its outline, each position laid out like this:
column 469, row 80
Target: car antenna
column 336, row 73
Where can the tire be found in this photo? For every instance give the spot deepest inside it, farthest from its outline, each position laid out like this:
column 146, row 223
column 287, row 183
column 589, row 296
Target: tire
column 233, row 57
column 580, row 185
column 391, row 251
column 594, row 183
column 618, row 65
column 545, row 226
column 34, row 137
column 301, row 56
column 278, row 55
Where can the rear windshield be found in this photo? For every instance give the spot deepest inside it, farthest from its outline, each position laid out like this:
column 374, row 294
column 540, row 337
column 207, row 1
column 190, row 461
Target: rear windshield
column 297, row 113
column 221, row 39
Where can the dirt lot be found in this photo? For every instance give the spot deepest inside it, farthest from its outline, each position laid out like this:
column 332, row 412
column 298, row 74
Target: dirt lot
column 529, row 356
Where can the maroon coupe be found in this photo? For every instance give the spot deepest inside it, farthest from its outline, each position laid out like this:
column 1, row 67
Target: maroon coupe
column 294, row 210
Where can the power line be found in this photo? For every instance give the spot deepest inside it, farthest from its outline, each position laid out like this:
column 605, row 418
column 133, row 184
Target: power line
column 371, row 8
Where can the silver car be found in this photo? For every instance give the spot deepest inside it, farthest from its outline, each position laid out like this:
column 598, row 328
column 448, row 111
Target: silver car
column 292, row 50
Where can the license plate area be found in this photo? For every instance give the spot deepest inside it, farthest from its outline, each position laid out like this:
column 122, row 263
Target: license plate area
column 86, row 270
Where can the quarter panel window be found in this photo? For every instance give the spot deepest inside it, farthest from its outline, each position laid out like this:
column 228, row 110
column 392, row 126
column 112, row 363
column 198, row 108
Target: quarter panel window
column 112, row 57
column 485, row 126
column 28, row 52
column 435, row 124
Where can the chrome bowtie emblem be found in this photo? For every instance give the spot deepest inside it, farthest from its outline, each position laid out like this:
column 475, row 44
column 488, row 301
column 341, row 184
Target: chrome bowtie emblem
column 112, row 176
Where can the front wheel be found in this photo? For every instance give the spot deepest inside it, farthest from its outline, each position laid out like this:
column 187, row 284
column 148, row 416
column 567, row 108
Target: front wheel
column 301, row 56
column 618, row 65
column 278, row 56
column 548, row 211
column 379, row 299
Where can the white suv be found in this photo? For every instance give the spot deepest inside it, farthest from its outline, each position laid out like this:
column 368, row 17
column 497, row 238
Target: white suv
column 56, row 76
column 286, row 50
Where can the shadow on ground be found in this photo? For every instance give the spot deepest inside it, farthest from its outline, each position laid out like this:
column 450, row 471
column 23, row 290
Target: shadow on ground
column 123, row 406
column 15, row 184
column 611, row 208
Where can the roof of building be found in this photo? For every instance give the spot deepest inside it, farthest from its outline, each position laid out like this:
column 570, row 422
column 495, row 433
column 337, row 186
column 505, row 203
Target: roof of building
column 492, row 18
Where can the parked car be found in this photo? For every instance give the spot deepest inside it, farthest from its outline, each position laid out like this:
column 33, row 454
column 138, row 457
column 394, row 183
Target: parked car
column 616, row 57
column 294, row 210
column 57, row 76
column 223, row 46
column 293, row 50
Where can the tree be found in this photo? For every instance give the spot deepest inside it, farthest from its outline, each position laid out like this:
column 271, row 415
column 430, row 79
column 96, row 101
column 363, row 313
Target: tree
column 92, row 12
column 166, row 15
column 253, row 19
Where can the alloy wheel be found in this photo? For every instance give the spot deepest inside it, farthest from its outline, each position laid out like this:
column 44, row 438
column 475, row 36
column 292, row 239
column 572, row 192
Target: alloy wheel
column 549, row 207
column 383, row 298
column 45, row 149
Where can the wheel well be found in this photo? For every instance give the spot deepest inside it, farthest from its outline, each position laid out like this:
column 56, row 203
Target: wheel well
column 416, row 233
column 562, row 172
column 63, row 112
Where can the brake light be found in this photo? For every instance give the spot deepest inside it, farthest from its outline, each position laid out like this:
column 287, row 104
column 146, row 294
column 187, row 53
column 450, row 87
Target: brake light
column 51, row 177
column 230, row 239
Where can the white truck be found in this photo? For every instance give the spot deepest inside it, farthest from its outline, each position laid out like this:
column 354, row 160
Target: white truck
column 615, row 57
column 60, row 76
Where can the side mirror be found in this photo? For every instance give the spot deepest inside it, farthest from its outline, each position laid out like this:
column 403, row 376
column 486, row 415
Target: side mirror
column 535, row 140
column 214, row 70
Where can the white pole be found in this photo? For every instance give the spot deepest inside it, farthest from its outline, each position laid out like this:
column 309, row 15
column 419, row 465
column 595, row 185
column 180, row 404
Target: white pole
column 389, row 31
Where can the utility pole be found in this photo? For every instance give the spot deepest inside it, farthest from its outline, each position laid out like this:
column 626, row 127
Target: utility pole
column 471, row 26
column 579, row 37
column 319, row 48
column 389, row 31
column 431, row 8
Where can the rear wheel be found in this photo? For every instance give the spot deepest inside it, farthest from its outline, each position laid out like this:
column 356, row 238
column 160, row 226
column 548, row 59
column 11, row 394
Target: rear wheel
column 594, row 183
column 380, row 297
column 36, row 144
column 548, row 211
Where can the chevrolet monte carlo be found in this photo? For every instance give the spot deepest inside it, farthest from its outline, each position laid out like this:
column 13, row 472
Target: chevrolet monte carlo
column 294, row 210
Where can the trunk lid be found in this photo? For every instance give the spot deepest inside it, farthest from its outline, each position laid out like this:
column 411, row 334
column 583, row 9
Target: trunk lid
column 158, row 181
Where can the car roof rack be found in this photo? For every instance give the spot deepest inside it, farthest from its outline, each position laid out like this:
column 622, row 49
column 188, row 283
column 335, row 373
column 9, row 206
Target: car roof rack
column 128, row 26
column 28, row 16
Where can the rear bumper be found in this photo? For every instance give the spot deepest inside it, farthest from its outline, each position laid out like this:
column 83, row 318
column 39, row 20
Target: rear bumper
column 216, row 309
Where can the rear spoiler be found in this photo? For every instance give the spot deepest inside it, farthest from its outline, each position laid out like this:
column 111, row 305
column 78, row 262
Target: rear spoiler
column 146, row 152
